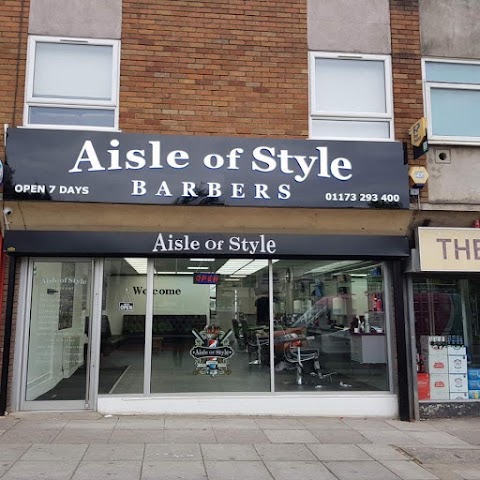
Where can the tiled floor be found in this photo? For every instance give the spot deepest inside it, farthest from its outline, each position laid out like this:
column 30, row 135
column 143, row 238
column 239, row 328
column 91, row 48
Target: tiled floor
column 86, row 446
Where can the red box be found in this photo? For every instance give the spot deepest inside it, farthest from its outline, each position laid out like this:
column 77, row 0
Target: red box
column 423, row 382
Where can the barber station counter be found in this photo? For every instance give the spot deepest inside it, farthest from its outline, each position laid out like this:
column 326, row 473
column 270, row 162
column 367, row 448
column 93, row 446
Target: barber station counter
column 368, row 347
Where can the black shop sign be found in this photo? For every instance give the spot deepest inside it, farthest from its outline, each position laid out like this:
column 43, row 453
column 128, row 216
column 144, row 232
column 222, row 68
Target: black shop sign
column 114, row 167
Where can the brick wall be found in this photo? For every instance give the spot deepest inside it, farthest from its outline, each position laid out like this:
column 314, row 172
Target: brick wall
column 13, row 47
column 407, row 72
column 215, row 67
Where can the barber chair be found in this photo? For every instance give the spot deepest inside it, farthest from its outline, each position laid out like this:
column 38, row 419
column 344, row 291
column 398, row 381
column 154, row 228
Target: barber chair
column 259, row 344
column 237, row 332
column 306, row 362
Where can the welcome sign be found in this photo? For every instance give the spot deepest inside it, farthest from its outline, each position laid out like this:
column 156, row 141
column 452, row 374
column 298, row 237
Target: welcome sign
column 115, row 167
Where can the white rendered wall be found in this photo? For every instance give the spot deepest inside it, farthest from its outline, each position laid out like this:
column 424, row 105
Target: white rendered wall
column 330, row 405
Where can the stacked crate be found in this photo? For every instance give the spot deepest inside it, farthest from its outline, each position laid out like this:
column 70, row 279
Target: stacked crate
column 445, row 369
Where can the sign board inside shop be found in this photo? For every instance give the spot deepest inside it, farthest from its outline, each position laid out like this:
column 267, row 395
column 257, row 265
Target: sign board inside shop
column 114, row 167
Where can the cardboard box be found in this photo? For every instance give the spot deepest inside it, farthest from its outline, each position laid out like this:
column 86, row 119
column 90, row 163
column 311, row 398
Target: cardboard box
column 457, row 364
column 474, row 373
column 439, row 388
column 423, row 383
column 458, row 395
column 458, row 382
column 432, row 345
column 456, row 350
column 473, row 384
column 436, row 363
column 474, row 394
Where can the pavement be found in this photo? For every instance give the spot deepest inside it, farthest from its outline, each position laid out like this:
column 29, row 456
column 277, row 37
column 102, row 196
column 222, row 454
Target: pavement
column 89, row 446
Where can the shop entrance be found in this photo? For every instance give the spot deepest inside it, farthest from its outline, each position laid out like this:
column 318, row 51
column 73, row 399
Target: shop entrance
column 58, row 340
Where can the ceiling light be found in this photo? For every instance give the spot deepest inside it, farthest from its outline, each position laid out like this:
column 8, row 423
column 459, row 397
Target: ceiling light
column 198, row 268
column 202, row 259
column 139, row 264
column 173, row 273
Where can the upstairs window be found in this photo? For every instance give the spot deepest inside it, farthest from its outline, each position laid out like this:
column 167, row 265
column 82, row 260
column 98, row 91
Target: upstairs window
column 452, row 98
column 72, row 83
column 350, row 97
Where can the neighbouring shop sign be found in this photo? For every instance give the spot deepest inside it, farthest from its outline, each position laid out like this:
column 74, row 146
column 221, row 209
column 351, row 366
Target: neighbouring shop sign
column 115, row 167
column 449, row 249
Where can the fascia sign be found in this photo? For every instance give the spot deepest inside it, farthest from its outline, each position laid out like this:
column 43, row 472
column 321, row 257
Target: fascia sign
column 110, row 167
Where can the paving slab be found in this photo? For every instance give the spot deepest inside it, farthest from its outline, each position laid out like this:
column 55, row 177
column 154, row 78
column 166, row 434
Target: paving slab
column 240, row 436
column 443, row 455
column 275, row 451
column 340, row 452
column 339, row 436
column 451, row 471
column 237, row 470
column 172, row 452
column 383, row 452
column 100, row 424
column 175, row 423
column 290, row 436
column 408, row 470
column 83, row 436
column 322, row 423
column 437, row 438
column 173, row 471
column 283, row 470
column 114, row 451
column 60, row 453
column 113, row 470
column 189, row 436
column 390, row 437
column 41, row 469
column 368, row 424
column 360, row 471
column 28, row 436
column 280, row 424
column 137, row 436
column 219, row 452
column 12, row 451
column 472, row 437
column 140, row 424
column 234, row 423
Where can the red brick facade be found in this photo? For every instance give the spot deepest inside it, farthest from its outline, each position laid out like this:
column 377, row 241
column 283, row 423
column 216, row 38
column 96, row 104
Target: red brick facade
column 406, row 71
column 215, row 68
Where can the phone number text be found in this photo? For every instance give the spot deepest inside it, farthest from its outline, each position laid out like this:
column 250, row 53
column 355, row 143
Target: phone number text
column 362, row 197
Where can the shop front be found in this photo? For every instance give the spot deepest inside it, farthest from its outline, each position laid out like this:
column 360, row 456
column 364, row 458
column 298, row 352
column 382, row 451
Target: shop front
column 227, row 319
column 445, row 303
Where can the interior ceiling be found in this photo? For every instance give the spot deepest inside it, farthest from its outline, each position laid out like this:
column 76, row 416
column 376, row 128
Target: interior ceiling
column 299, row 268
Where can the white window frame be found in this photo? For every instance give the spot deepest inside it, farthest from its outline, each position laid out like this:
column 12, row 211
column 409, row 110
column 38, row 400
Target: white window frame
column 31, row 101
column 352, row 116
column 427, row 88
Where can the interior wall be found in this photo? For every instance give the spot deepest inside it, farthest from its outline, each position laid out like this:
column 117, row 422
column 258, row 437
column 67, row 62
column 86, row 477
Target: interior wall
column 53, row 353
column 189, row 299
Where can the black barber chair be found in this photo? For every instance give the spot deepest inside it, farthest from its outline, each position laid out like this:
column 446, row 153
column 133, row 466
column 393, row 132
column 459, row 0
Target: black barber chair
column 306, row 362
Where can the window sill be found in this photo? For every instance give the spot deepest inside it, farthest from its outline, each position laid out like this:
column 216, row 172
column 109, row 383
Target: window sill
column 454, row 141
column 352, row 139
column 81, row 128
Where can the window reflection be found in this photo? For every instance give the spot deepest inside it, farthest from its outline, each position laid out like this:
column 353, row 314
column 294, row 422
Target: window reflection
column 330, row 326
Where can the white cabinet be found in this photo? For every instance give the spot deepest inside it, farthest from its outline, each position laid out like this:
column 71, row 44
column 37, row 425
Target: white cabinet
column 368, row 348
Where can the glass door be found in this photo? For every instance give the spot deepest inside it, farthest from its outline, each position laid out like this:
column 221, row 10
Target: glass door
column 58, row 342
